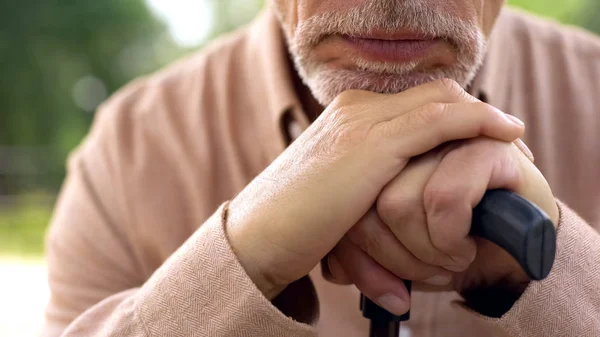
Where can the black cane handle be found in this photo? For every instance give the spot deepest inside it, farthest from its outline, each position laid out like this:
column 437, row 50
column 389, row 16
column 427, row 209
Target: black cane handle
column 520, row 228
column 506, row 219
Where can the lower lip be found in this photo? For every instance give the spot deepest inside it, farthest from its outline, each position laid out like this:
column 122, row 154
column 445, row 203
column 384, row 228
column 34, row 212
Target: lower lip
column 391, row 50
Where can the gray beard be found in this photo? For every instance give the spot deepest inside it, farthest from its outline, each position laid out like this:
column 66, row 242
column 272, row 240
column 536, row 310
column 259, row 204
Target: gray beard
column 384, row 77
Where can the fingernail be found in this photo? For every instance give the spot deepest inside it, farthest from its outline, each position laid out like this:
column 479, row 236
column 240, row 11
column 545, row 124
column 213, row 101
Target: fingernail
column 439, row 280
column 525, row 149
column 514, row 119
column 393, row 304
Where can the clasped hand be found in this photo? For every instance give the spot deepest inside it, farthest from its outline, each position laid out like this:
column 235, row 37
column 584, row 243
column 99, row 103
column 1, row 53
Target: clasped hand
column 383, row 187
column 419, row 227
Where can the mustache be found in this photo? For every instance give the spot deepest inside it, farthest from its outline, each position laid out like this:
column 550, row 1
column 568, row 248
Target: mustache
column 388, row 16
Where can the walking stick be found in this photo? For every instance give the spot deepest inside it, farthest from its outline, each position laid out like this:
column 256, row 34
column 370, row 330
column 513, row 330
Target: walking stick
column 506, row 219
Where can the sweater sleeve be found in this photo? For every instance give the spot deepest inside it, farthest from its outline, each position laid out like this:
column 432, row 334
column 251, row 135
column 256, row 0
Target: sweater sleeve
column 567, row 302
column 97, row 288
column 201, row 290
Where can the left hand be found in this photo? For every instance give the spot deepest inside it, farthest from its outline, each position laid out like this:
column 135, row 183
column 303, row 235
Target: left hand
column 422, row 219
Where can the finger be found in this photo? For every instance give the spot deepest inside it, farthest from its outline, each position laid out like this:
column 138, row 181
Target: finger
column 384, row 107
column 427, row 127
column 457, row 186
column 333, row 271
column 374, row 281
column 441, row 91
column 400, row 206
column 374, row 237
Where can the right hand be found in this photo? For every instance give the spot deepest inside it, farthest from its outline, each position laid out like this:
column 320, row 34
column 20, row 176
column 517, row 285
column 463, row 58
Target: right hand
column 288, row 218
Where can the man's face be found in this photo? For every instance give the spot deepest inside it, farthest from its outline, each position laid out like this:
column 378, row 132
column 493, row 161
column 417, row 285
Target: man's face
column 385, row 46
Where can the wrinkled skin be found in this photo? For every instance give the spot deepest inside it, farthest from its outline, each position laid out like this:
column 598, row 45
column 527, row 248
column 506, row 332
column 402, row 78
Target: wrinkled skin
column 382, row 184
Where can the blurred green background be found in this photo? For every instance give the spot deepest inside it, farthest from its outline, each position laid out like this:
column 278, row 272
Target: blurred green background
column 60, row 59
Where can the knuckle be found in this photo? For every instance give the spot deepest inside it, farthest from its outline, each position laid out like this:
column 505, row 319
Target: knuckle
column 371, row 245
column 449, row 239
column 426, row 252
column 350, row 97
column 482, row 148
column 440, row 241
column 426, row 260
column 363, row 238
column 437, row 198
column 344, row 128
column 337, row 115
column 508, row 171
column 345, row 136
column 411, row 269
column 430, row 256
column 431, row 113
column 394, row 207
column 449, row 88
column 471, row 150
column 339, row 123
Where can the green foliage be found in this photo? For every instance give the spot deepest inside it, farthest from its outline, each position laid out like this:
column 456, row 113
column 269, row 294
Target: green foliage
column 588, row 16
column 47, row 47
column 563, row 10
column 23, row 224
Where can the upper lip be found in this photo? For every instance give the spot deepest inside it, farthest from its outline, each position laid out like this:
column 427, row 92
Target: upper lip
column 399, row 35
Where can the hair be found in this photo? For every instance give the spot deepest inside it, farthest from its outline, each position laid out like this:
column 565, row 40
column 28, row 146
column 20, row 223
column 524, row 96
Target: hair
column 464, row 36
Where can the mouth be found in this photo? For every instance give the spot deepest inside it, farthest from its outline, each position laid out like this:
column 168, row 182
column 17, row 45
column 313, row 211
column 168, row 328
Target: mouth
column 396, row 47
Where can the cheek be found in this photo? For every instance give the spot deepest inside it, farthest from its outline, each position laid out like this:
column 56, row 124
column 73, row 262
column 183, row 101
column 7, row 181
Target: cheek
column 484, row 12
column 288, row 10
column 295, row 12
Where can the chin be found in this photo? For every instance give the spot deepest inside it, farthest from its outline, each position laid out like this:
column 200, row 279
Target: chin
column 328, row 84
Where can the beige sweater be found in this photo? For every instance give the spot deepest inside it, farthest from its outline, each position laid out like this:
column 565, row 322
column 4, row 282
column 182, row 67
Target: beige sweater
column 137, row 249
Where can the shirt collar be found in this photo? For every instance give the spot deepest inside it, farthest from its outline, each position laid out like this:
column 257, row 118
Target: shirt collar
column 271, row 65
column 491, row 81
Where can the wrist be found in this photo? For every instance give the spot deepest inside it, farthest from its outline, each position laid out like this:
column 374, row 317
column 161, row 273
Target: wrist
column 250, row 264
column 248, row 250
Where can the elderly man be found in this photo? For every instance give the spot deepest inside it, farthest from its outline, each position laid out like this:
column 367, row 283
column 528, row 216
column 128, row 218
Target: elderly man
column 335, row 147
